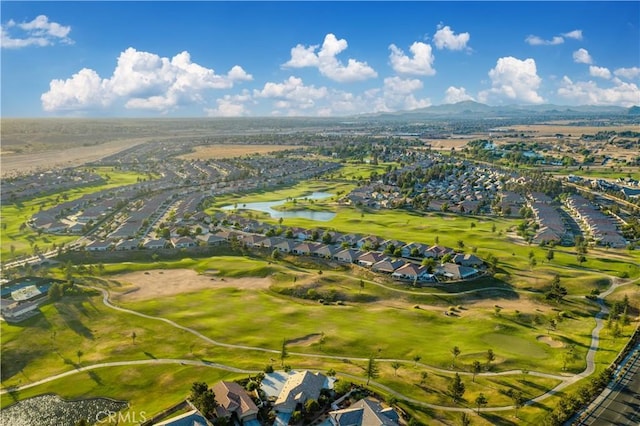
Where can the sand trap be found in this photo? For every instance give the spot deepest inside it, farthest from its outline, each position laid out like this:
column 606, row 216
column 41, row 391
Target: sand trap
column 158, row 283
column 549, row 341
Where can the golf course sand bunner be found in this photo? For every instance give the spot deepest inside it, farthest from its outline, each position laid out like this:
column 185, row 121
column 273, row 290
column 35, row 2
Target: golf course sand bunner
column 158, row 283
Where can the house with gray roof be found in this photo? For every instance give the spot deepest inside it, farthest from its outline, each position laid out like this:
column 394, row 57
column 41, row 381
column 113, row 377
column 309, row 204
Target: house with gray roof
column 299, row 388
column 365, row 412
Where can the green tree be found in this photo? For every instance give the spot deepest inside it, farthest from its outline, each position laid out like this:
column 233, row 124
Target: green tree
column 342, row 386
column 465, row 420
column 550, row 255
column 395, row 365
column 311, row 406
column 481, row 401
column 133, row 337
column 456, row 388
column 416, row 360
column 455, row 351
column 490, row 357
column 203, row 398
column 372, row 371
column 283, row 351
column 518, row 400
column 556, row 291
column 477, row 368
column 79, row 354
column 423, row 377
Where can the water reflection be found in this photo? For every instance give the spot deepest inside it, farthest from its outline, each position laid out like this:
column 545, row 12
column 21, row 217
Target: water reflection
column 266, row 206
column 51, row 410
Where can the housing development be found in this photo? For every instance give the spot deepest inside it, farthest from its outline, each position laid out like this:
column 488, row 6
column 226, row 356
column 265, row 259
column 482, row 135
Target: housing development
column 389, row 270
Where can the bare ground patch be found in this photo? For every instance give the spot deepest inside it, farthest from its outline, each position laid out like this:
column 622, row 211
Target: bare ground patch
column 159, row 283
column 549, row 341
column 230, row 151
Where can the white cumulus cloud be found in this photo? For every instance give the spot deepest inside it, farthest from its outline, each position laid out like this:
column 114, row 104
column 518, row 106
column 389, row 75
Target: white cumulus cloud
column 515, row 80
column 575, row 34
column 398, row 94
column 582, row 56
column 38, row 32
column 420, row 64
column 534, row 40
column 231, row 106
column 292, row 94
column 141, row 80
column 325, row 59
column 601, row 72
column 84, row 90
column 445, row 38
column 589, row 93
column 456, row 94
column 628, row 73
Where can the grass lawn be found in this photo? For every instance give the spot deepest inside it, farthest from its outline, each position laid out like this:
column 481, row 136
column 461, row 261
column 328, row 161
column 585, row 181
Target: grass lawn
column 130, row 384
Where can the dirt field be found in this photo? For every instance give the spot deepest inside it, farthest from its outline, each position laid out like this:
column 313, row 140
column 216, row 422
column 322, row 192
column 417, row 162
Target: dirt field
column 161, row 283
column 552, row 129
column 229, row 151
column 70, row 157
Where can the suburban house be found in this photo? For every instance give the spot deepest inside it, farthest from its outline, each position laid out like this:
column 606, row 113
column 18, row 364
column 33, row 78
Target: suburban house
column 155, row 244
column 286, row 246
column 233, row 400
column 253, row 240
column 370, row 258
column 387, row 265
column 437, row 251
column 99, row 246
column 306, row 249
column 410, row 249
column 299, row 388
column 467, row 260
column 347, row 256
column 455, row 272
column 183, row 242
column 127, row 245
column 327, row 251
column 412, row 272
column 211, row 240
column 365, row 412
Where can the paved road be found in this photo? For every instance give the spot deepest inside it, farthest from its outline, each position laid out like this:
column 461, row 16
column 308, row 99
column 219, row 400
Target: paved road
column 621, row 403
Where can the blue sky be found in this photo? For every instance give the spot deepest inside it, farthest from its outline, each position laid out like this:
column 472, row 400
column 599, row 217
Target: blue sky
column 199, row 59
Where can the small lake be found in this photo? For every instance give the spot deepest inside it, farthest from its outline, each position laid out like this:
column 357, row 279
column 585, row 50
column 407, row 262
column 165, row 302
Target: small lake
column 51, row 410
column 266, row 206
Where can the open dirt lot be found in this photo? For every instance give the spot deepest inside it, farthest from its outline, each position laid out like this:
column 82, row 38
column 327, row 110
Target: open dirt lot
column 552, row 129
column 229, row 151
column 69, row 157
column 159, row 283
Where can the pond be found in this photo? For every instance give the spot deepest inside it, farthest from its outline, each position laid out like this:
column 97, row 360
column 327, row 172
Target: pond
column 51, row 410
column 266, row 206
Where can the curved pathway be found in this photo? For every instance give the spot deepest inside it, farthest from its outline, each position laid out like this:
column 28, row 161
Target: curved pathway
column 566, row 379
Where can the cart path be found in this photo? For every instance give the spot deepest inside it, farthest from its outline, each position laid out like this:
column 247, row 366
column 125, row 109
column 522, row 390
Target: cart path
column 566, row 380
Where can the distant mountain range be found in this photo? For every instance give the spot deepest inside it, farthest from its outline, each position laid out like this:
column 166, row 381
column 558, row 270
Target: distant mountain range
column 472, row 109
